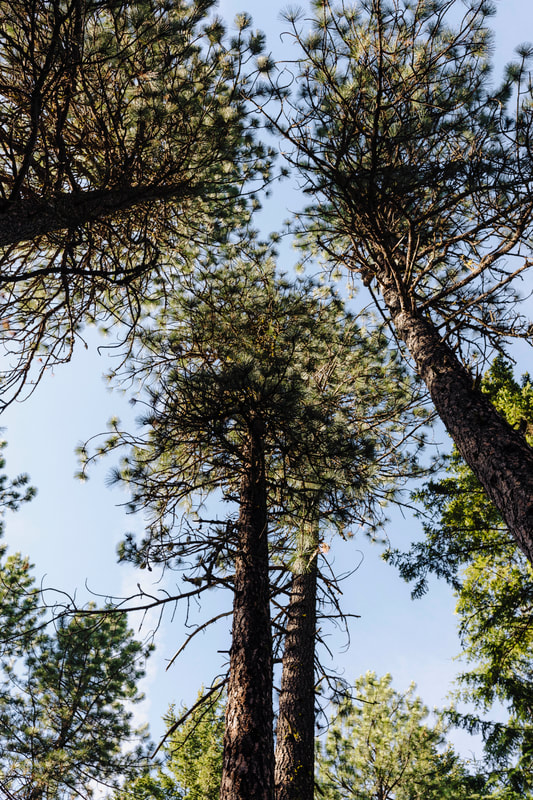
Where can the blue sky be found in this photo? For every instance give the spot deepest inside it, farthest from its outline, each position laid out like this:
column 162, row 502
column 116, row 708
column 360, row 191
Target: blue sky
column 70, row 531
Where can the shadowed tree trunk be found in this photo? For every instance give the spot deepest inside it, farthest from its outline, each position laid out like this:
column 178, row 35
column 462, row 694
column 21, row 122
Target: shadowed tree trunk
column 497, row 454
column 26, row 220
column 248, row 761
column 295, row 738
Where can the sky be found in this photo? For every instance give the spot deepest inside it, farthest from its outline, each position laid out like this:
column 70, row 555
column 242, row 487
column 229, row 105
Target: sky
column 71, row 530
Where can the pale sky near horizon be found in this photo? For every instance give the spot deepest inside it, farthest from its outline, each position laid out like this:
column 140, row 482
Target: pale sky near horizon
column 70, row 531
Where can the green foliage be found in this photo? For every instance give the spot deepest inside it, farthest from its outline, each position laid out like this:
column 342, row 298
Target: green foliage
column 66, row 686
column 66, row 689
column 66, row 722
column 419, row 166
column 18, row 602
column 239, row 345
column 379, row 747
column 124, row 136
column 140, row 93
column 195, row 752
column 12, row 493
column 191, row 767
column 467, row 544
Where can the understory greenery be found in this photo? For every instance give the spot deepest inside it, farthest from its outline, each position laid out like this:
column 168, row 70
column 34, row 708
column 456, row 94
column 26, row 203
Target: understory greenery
column 379, row 746
column 190, row 763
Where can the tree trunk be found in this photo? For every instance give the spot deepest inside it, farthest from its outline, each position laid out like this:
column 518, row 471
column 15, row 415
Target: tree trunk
column 26, row 220
column 497, row 454
column 295, row 738
column 248, row 761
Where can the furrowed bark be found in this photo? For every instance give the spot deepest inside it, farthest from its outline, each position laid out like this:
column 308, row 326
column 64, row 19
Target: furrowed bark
column 248, row 760
column 497, row 454
column 295, row 737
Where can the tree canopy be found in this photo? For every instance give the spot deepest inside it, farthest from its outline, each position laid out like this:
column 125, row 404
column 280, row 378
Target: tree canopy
column 421, row 173
column 380, row 747
column 124, row 135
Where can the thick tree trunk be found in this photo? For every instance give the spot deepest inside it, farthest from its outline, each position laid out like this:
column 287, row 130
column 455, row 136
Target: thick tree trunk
column 498, row 455
column 26, row 220
column 295, row 738
column 248, row 761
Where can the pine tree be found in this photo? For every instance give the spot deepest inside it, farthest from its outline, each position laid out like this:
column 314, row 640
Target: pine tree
column 19, row 604
column 66, row 686
column 66, row 723
column 387, row 420
column 242, row 400
column 65, row 716
column 195, row 751
column 191, row 757
column 295, row 731
column 378, row 747
column 422, row 175
column 124, row 136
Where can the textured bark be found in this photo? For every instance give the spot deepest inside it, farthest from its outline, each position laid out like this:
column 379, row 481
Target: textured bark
column 498, row 455
column 295, row 738
column 248, row 761
column 26, row 220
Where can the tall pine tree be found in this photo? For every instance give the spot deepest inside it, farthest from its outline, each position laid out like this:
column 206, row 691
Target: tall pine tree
column 468, row 544
column 253, row 392
column 386, row 415
column 422, row 173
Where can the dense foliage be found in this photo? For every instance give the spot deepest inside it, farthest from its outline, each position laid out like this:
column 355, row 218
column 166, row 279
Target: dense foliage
column 468, row 544
column 238, row 343
column 124, row 136
column 190, row 765
column 66, row 718
column 66, row 688
column 380, row 747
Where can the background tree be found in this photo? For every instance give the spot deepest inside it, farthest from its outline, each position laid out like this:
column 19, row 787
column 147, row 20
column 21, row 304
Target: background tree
column 18, row 602
column 66, row 694
column 494, row 586
column 378, row 747
column 123, row 135
column 422, row 175
column 65, row 691
column 191, row 758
